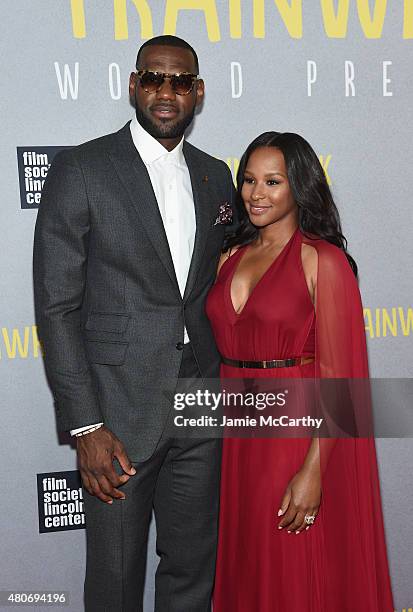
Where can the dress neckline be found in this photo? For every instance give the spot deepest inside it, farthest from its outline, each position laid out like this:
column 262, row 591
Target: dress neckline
column 244, row 250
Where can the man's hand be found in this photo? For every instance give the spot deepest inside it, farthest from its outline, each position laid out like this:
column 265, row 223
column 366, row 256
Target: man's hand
column 96, row 451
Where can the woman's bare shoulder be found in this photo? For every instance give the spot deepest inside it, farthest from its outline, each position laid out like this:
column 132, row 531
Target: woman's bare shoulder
column 225, row 256
column 323, row 257
column 309, row 260
column 309, row 257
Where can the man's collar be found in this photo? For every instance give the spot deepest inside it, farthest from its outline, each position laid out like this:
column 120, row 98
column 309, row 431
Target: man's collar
column 150, row 149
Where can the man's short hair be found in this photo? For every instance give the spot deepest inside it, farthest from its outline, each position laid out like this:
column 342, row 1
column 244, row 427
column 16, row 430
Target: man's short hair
column 167, row 40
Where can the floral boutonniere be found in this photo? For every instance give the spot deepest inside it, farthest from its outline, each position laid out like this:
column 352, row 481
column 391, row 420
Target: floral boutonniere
column 224, row 214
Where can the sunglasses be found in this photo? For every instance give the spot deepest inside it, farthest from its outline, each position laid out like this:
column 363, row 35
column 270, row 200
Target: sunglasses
column 182, row 83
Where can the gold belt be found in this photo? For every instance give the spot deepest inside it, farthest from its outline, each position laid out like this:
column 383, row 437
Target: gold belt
column 273, row 363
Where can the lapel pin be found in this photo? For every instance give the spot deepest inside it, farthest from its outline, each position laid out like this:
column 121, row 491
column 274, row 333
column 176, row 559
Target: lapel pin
column 205, row 179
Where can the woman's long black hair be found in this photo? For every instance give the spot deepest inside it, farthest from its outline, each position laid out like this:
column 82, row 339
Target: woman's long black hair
column 318, row 216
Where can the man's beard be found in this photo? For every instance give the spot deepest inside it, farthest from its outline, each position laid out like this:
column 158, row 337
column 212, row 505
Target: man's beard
column 166, row 130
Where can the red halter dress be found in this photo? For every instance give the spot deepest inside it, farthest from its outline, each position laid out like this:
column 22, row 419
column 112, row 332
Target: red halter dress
column 340, row 563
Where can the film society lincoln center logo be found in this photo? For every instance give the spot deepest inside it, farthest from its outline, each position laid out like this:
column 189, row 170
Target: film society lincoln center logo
column 60, row 501
column 33, row 164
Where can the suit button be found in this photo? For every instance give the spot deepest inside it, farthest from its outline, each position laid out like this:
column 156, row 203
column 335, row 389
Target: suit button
column 179, row 346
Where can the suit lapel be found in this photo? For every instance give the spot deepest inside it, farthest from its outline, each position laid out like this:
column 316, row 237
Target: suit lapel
column 202, row 203
column 134, row 176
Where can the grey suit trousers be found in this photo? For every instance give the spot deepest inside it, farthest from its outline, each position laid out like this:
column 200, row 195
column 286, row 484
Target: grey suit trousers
column 180, row 482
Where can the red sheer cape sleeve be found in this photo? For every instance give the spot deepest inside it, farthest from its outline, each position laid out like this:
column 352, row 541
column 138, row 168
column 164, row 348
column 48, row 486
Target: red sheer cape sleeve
column 350, row 510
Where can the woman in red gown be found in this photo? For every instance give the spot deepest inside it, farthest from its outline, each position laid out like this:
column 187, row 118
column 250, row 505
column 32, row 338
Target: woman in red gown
column 301, row 525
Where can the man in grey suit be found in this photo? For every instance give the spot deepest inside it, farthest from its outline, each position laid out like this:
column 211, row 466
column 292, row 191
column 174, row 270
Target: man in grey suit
column 126, row 248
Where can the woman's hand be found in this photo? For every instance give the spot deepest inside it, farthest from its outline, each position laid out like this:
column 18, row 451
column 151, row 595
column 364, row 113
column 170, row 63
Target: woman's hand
column 302, row 496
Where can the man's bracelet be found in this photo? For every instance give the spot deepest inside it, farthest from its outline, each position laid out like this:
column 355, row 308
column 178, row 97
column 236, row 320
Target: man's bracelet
column 83, row 433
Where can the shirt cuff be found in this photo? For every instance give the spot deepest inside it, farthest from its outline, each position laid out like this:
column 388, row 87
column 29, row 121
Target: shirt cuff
column 73, row 432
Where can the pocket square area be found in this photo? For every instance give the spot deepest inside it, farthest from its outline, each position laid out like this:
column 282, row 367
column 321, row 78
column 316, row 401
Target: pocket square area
column 224, row 214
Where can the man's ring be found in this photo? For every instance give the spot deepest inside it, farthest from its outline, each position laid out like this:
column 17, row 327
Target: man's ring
column 309, row 519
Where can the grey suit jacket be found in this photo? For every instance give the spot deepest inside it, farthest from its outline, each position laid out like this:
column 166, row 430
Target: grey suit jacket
column 109, row 311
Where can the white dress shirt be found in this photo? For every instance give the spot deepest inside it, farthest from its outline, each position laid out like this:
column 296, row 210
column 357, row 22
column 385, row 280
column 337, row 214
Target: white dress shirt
column 171, row 183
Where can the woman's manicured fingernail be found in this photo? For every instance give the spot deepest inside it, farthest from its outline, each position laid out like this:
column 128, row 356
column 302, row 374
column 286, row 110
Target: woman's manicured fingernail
column 307, row 527
column 280, row 512
column 288, row 531
column 296, row 532
column 280, row 527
